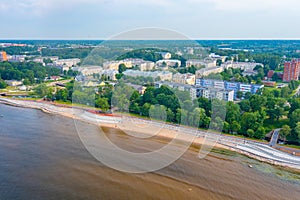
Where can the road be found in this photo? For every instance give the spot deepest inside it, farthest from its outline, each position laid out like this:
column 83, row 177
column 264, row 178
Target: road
column 274, row 139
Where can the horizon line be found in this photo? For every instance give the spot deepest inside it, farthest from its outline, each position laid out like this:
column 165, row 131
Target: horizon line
column 103, row 39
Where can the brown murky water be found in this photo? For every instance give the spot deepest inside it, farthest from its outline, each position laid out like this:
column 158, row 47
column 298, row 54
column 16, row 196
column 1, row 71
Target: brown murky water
column 42, row 157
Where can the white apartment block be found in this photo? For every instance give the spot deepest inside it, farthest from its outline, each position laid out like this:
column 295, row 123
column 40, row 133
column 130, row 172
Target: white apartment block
column 67, row 62
column 247, row 66
column 201, row 63
column 129, row 63
column 163, row 75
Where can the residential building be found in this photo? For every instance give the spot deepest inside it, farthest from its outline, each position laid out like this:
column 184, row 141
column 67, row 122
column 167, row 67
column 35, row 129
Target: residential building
column 187, row 78
column 291, row 70
column 209, row 70
column 217, row 57
column 38, row 60
column 110, row 74
column 147, row 66
column 3, row 56
column 269, row 83
column 245, row 87
column 162, row 75
column 247, row 66
column 169, row 63
column 88, row 70
column 16, row 58
column 113, row 65
column 225, row 95
column 166, row 55
column 229, row 86
column 13, row 82
column 198, row 91
column 207, row 63
column 62, row 68
column 270, row 74
column 67, row 62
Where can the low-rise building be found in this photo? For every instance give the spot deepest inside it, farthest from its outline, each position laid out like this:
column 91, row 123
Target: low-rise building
column 110, row 74
column 62, row 68
column 207, row 63
column 169, row 63
column 165, row 55
column 187, row 78
column 209, row 70
column 67, row 62
column 269, row 83
column 198, row 91
column 163, row 75
column 16, row 58
column 241, row 65
column 13, row 82
column 229, row 86
column 88, row 70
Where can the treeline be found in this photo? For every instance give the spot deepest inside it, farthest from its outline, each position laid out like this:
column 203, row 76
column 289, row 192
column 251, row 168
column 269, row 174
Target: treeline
column 251, row 117
column 26, row 50
column 29, row 72
column 65, row 53
column 150, row 54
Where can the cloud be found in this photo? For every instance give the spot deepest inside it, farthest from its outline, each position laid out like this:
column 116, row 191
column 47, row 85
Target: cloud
column 250, row 5
column 40, row 7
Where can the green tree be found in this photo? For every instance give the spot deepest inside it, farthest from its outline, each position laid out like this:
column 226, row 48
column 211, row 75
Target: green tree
column 294, row 118
column 250, row 133
column 2, row 84
column 41, row 90
column 103, row 104
column 122, row 68
column 285, row 132
column 297, row 131
column 239, row 94
column 245, row 105
column 235, row 127
column 62, row 95
column 257, row 102
column 145, row 109
column 260, row 133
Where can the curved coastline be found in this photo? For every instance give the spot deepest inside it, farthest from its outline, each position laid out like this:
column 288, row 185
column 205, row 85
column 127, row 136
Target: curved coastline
column 251, row 149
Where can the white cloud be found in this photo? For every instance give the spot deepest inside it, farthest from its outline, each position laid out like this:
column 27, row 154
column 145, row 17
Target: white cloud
column 251, row 5
column 44, row 6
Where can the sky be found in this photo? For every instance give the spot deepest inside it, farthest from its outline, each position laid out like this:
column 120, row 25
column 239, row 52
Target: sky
column 103, row 19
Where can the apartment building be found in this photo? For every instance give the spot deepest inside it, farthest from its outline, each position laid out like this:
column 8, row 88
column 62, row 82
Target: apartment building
column 291, row 70
column 187, row 78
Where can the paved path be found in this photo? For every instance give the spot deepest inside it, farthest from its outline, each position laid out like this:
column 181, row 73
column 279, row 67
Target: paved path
column 274, row 138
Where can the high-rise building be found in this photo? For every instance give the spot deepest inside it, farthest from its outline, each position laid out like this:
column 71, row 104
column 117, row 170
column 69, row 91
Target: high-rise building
column 3, row 56
column 291, row 70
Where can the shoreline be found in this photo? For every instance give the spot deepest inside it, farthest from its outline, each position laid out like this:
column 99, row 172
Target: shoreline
column 253, row 150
